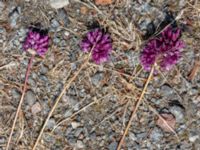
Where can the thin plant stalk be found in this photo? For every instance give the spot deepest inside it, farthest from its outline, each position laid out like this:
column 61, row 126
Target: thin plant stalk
column 135, row 108
column 59, row 98
column 163, row 120
column 21, row 100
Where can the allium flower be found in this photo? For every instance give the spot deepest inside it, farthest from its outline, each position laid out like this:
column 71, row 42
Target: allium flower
column 163, row 50
column 100, row 43
column 36, row 41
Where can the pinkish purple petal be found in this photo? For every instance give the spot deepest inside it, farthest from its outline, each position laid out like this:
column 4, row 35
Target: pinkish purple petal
column 90, row 37
column 36, row 41
column 100, row 43
column 163, row 50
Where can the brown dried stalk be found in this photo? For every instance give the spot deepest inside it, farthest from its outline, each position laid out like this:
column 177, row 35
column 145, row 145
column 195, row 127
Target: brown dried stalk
column 135, row 108
column 194, row 70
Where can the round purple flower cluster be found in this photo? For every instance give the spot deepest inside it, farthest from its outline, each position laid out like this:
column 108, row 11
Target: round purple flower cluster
column 163, row 50
column 36, row 41
column 99, row 43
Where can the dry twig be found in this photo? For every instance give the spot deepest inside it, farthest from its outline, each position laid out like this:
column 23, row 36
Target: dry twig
column 21, row 101
column 59, row 98
column 77, row 112
column 194, row 70
column 135, row 108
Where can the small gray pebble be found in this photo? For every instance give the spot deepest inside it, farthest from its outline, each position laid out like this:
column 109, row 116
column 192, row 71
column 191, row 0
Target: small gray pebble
column 22, row 32
column 140, row 136
column 132, row 136
column 49, row 139
column 1, row 86
column 15, row 93
column 101, row 143
column 144, row 9
column 59, row 131
column 2, row 30
column 34, row 75
column 16, row 42
column 72, row 91
column 72, row 141
column 69, row 132
column 96, row 79
column 193, row 136
column 2, row 140
column 193, row 91
column 133, row 58
column 156, row 134
column 43, row 78
column 43, row 70
column 46, row 108
column 67, row 113
column 178, row 112
column 31, row 82
column 2, row 5
column 73, row 66
column 71, row 100
column 63, row 43
column 56, row 40
column 93, row 135
column 58, row 4
column 166, row 90
column 78, row 132
column 14, row 15
column 113, row 146
column 55, row 23
column 82, row 93
column 80, row 144
column 62, row 16
column 51, row 123
column 30, row 98
column 144, row 23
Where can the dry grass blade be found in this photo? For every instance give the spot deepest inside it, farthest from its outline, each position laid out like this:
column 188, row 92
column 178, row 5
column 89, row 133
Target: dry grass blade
column 118, row 72
column 106, row 118
column 77, row 112
column 20, row 102
column 8, row 66
column 124, row 33
column 194, row 70
column 21, row 126
column 59, row 98
column 195, row 6
column 74, row 114
column 170, row 120
column 135, row 108
column 95, row 7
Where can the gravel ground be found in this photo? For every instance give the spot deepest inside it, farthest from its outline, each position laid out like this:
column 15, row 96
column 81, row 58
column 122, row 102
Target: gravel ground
column 94, row 110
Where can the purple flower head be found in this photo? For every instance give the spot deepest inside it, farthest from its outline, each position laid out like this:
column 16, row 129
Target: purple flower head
column 163, row 50
column 100, row 43
column 36, row 41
